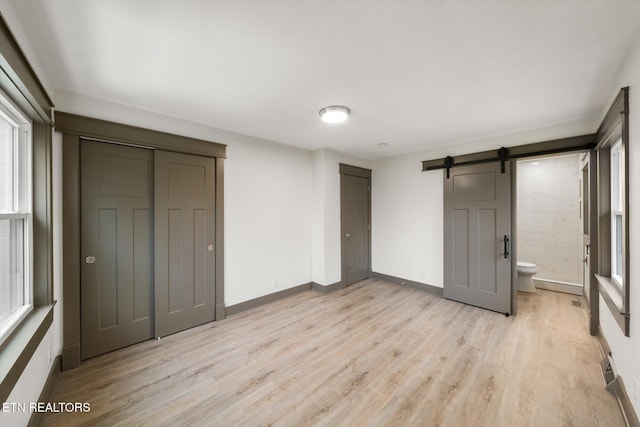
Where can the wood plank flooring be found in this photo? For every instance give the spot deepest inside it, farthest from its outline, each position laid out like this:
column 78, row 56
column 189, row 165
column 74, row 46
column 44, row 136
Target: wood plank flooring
column 374, row 354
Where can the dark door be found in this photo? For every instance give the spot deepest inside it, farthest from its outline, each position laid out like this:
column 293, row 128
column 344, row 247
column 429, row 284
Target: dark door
column 116, row 246
column 355, row 217
column 184, row 241
column 477, row 224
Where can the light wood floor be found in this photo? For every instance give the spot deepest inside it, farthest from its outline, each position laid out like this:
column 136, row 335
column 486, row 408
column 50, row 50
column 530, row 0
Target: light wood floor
column 374, row 354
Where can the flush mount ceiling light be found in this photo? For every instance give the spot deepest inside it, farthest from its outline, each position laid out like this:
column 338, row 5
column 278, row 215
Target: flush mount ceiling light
column 335, row 114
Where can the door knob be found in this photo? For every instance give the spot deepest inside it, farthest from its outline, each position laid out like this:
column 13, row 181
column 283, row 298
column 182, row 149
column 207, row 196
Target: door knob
column 347, row 235
column 90, row 259
column 210, row 248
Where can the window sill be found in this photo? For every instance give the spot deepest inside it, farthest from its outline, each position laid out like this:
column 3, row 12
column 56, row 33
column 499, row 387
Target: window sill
column 17, row 350
column 13, row 322
column 614, row 299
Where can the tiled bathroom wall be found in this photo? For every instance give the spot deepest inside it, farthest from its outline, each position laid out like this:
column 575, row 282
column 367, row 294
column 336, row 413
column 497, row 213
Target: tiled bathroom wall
column 549, row 227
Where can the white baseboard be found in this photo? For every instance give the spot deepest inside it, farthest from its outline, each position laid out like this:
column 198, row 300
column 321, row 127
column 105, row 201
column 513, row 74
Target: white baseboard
column 555, row 285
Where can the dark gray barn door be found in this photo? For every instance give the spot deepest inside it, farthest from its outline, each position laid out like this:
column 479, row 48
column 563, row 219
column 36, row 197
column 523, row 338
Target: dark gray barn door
column 355, row 206
column 116, row 246
column 185, row 240
column 477, row 220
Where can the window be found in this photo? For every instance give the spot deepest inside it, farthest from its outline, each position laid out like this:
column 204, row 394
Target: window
column 617, row 213
column 16, row 295
column 613, row 207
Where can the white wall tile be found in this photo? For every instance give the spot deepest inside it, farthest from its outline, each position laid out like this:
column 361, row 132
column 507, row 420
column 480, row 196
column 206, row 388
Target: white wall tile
column 549, row 230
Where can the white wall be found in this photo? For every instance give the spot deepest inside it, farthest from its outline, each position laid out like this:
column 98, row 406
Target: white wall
column 268, row 194
column 407, row 220
column 318, row 271
column 626, row 350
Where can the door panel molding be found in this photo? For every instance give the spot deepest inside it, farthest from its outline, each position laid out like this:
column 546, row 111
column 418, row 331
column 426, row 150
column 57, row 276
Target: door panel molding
column 116, row 249
column 184, row 212
column 476, row 269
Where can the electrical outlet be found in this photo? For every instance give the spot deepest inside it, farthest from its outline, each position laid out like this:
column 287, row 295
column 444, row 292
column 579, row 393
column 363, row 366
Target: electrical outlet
column 275, row 283
column 636, row 393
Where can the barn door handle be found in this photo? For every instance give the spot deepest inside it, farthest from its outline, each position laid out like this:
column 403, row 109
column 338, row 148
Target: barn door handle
column 506, row 246
column 586, row 255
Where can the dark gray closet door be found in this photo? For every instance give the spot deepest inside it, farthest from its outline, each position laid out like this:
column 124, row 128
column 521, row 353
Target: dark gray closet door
column 185, row 240
column 477, row 218
column 354, row 202
column 116, row 246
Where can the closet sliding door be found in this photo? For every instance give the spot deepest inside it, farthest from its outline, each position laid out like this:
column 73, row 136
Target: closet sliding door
column 184, row 241
column 116, row 246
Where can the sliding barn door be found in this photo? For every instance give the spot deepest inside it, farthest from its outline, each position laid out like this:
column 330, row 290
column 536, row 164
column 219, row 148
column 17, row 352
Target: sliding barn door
column 477, row 229
column 116, row 288
column 184, row 241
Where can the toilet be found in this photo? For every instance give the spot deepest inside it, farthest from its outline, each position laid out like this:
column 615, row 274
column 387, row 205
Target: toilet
column 526, row 271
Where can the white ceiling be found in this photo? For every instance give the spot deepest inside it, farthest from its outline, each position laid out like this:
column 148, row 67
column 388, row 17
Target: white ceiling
column 416, row 74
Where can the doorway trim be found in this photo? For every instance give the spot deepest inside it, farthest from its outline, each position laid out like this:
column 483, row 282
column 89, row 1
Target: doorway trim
column 581, row 143
column 345, row 169
column 74, row 127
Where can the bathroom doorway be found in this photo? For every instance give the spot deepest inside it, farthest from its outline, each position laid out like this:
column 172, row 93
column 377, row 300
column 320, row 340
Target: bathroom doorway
column 551, row 206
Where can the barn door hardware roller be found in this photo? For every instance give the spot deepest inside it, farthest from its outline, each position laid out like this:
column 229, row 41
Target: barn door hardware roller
column 502, row 153
column 448, row 164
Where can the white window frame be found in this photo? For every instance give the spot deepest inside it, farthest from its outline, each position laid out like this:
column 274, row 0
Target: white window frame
column 617, row 211
column 22, row 209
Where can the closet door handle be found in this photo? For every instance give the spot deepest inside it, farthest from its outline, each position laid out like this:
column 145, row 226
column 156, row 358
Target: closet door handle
column 506, row 246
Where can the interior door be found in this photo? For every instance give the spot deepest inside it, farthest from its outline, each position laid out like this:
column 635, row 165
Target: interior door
column 355, row 208
column 185, row 240
column 477, row 224
column 116, row 246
